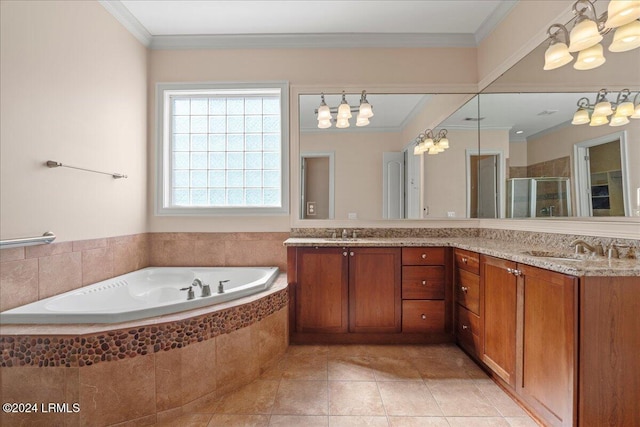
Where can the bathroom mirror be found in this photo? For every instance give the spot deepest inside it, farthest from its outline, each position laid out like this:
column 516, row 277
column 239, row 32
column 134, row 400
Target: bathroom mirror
column 370, row 172
column 545, row 166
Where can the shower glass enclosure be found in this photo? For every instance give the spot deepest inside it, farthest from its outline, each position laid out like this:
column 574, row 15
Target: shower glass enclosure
column 538, row 197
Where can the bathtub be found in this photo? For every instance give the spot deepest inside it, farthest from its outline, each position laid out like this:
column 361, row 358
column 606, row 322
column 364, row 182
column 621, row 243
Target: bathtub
column 152, row 291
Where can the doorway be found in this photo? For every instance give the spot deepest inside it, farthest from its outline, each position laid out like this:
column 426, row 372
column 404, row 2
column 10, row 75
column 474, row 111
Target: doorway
column 485, row 184
column 317, row 185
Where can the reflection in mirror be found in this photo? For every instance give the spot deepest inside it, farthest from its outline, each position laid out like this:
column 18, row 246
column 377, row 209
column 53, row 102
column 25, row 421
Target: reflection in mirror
column 376, row 175
column 554, row 168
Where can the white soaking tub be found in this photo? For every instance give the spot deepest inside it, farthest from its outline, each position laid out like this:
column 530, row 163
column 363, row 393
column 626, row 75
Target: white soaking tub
column 149, row 292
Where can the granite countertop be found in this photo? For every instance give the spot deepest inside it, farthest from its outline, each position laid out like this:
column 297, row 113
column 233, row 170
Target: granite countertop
column 575, row 265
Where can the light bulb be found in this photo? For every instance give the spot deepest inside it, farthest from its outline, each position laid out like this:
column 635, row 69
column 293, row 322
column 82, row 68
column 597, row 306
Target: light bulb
column 621, row 12
column 598, row 120
column 618, row 119
column 556, row 55
column 626, row 37
column 603, row 108
column 324, row 124
column 584, row 35
column 580, row 117
column 590, row 58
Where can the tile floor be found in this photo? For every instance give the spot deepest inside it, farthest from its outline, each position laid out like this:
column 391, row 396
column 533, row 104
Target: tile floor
column 366, row 385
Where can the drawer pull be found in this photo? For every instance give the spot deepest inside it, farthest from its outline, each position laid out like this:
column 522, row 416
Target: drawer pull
column 424, row 282
column 465, row 327
column 424, row 256
column 351, row 253
column 465, row 259
column 464, row 289
column 344, row 253
column 423, row 316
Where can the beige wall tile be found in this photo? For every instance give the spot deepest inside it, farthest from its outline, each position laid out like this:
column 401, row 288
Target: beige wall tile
column 85, row 245
column 48, row 250
column 198, row 374
column 209, row 253
column 168, row 379
column 236, row 360
column 271, row 338
column 97, row 265
column 11, row 254
column 18, row 283
column 177, row 253
column 59, row 273
column 119, row 391
column 256, row 253
column 129, row 254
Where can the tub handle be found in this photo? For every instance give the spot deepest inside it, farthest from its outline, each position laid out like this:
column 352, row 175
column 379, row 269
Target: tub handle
column 221, row 286
column 190, row 293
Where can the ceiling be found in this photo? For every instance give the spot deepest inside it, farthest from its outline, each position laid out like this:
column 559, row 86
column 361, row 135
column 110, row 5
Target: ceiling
column 293, row 23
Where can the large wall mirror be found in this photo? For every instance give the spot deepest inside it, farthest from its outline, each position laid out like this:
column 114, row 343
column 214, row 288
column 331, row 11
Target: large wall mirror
column 540, row 164
column 370, row 172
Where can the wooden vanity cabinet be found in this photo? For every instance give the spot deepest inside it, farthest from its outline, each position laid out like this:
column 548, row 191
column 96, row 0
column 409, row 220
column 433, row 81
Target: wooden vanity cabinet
column 499, row 320
column 467, row 301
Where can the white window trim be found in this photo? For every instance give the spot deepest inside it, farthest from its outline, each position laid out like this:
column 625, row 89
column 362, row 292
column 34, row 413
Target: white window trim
column 163, row 158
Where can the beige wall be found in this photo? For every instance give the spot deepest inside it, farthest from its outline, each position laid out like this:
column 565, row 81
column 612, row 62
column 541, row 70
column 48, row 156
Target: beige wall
column 73, row 90
column 358, row 168
column 517, row 154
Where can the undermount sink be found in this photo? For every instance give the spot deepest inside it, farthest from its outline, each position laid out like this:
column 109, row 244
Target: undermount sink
column 558, row 256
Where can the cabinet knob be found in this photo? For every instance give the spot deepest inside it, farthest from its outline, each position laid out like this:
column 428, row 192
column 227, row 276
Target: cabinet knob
column 423, row 317
column 351, row 253
column 424, row 256
column 464, row 288
column 465, row 327
column 344, row 253
column 424, row 282
column 464, row 259
column 510, row 270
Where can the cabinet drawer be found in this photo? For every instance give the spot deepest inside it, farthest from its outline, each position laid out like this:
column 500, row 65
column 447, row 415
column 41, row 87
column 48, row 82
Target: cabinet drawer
column 422, row 256
column 420, row 282
column 468, row 330
column 468, row 290
column 422, row 316
column 469, row 261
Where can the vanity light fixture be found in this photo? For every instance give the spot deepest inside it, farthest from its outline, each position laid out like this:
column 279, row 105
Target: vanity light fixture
column 426, row 142
column 344, row 112
column 587, row 32
column 621, row 110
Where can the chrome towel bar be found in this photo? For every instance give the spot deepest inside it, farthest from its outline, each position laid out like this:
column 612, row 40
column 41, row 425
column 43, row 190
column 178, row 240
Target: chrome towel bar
column 53, row 164
column 47, row 237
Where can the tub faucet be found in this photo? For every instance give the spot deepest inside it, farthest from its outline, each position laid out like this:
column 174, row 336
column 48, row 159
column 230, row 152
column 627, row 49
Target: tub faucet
column 206, row 290
column 582, row 246
column 190, row 293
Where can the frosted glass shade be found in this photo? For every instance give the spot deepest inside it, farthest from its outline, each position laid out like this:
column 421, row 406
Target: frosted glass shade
column 625, row 108
column 626, row 37
column 344, row 111
column 324, row 113
column 444, row 143
column 362, row 121
column 598, row 120
column 584, row 35
column 324, row 124
column 621, row 12
column 342, row 123
column 365, row 110
column 428, row 143
column 590, row 58
column 556, row 56
column 603, row 108
column 416, row 150
column 580, row 117
column 636, row 115
column 619, row 120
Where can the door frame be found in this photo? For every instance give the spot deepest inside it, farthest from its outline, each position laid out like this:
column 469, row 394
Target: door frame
column 500, row 177
column 315, row 154
column 582, row 181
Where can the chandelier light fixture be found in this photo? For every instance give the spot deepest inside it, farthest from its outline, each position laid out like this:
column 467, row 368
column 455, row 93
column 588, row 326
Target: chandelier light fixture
column 426, row 142
column 344, row 112
column 587, row 32
column 597, row 114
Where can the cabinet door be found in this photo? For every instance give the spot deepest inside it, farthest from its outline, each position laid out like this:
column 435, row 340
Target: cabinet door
column 374, row 290
column 322, row 290
column 499, row 317
column 549, row 351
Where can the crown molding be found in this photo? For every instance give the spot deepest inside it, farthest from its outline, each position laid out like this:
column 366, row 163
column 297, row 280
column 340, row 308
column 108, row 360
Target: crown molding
column 494, row 19
column 122, row 14
column 306, row 41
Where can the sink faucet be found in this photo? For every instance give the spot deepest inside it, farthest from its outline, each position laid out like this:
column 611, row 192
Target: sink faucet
column 582, row 247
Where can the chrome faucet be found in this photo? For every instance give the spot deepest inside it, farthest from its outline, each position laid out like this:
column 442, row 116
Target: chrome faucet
column 190, row 293
column 206, row 290
column 221, row 286
column 582, row 247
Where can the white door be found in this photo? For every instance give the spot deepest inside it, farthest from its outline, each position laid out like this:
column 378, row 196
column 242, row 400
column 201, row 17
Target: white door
column 487, row 187
column 393, row 185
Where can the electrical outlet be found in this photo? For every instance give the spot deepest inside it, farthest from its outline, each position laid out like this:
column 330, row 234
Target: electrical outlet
column 353, row 215
column 311, row 208
column 451, row 214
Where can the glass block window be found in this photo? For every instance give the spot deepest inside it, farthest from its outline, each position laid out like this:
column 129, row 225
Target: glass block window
column 224, row 150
